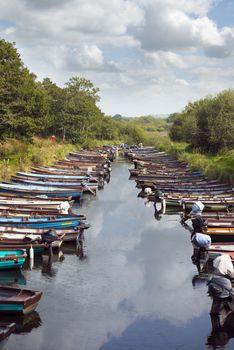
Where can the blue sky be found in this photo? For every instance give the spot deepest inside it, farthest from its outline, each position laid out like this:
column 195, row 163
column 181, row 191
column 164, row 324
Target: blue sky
column 146, row 56
column 223, row 13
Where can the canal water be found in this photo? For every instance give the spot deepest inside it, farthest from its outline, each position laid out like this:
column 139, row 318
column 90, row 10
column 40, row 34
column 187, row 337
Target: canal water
column 135, row 287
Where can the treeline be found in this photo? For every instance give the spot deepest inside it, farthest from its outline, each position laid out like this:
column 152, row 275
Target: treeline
column 31, row 108
column 206, row 125
column 143, row 129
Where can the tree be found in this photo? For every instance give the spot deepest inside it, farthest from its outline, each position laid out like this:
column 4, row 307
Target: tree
column 207, row 124
column 23, row 104
column 57, row 99
column 80, row 113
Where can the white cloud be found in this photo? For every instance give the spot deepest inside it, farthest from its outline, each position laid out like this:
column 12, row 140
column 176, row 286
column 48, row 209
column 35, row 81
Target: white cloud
column 166, row 59
column 89, row 56
column 173, row 26
column 196, row 7
column 72, row 21
column 139, row 52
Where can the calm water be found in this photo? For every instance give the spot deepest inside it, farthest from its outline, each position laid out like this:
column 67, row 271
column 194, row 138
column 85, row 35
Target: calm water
column 133, row 289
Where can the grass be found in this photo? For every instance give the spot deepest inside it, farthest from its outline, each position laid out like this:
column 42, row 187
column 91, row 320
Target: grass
column 16, row 155
column 220, row 166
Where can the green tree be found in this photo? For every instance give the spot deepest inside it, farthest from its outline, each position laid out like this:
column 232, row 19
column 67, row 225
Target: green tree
column 23, row 103
column 81, row 113
column 207, row 124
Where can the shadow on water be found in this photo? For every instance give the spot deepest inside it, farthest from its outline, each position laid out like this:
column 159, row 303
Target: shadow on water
column 11, row 277
column 23, row 324
column 132, row 289
column 222, row 329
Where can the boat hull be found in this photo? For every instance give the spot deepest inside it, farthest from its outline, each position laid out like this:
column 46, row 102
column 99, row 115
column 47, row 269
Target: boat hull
column 18, row 301
column 12, row 259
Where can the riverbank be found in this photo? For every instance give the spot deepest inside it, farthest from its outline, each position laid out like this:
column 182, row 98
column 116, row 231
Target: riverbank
column 16, row 155
column 220, row 166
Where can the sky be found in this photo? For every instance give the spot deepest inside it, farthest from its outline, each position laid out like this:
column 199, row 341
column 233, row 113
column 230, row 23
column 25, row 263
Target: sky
column 147, row 57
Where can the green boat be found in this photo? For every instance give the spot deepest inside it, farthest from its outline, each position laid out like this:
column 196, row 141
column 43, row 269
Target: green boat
column 12, row 259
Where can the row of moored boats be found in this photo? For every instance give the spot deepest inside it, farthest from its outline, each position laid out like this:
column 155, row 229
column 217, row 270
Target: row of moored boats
column 206, row 209
column 36, row 215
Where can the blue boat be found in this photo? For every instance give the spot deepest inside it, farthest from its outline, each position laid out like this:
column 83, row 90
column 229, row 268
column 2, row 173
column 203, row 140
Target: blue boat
column 48, row 183
column 12, row 259
column 19, row 219
column 63, row 184
column 48, row 176
column 49, row 191
column 46, row 224
column 212, row 189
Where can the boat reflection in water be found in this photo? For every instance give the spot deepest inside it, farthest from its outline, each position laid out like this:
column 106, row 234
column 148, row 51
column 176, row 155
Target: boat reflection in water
column 222, row 328
column 77, row 248
column 23, row 324
column 222, row 310
column 11, row 277
column 222, row 296
column 47, row 263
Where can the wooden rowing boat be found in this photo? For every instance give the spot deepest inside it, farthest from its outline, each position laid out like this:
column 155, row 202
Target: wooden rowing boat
column 220, row 234
column 65, row 234
column 63, row 222
column 37, row 190
column 12, row 259
column 25, row 241
column 15, row 300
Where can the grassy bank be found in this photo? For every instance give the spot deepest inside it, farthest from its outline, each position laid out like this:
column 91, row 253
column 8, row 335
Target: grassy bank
column 16, row 155
column 218, row 166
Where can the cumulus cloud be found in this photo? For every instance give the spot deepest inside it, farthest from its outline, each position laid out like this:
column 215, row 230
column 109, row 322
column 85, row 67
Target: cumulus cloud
column 182, row 26
column 131, row 49
column 195, row 7
column 71, row 20
column 44, row 4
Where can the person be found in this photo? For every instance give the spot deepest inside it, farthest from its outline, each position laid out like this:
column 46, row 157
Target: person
column 201, row 242
column 196, row 210
column 158, row 195
column 53, row 138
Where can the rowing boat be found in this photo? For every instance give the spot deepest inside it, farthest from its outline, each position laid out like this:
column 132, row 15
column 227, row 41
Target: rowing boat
column 12, row 259
column 15, row 300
